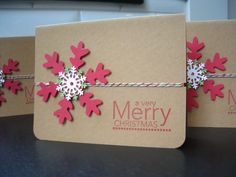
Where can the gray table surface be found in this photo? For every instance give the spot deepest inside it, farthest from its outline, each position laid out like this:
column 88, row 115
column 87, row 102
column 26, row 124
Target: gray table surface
column 207, row 152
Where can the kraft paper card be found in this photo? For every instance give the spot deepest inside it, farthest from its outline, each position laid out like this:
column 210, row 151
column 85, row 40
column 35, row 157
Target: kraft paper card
column 211, row 74
column 16, row 75
column 114, row 82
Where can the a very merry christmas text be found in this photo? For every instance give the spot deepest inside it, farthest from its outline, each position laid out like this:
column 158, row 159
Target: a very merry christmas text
column 140, row 114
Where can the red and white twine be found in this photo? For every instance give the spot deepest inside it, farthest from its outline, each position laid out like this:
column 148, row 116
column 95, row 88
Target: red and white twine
column 230, row 75
column 139, row 84
column 22, row 76
column 131, row 84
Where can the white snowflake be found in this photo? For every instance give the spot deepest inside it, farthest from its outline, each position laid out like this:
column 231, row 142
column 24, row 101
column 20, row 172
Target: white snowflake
column 71, row 83
column 2, row 78
column 196, row 74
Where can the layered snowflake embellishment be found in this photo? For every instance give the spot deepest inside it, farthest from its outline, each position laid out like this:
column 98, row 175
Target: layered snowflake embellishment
column 5, row 80
column 198, row 73
column 72, row 83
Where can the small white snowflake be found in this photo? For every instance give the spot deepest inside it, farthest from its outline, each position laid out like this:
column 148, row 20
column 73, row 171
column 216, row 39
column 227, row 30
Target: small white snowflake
column 2, row 78
column 71, row 83
column 196, row 74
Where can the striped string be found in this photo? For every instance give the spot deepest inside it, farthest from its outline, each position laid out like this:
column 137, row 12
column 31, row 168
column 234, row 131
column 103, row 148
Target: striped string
column 230, row 75
column 139, row 84
column 23, row 76
column 131, row 84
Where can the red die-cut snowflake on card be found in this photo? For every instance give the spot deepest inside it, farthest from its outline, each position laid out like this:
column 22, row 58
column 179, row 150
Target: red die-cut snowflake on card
column 6, row 82
column 197, row 73
column 72, row 83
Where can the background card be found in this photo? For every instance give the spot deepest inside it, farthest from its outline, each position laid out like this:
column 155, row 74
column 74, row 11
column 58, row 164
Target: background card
column 20, row 49
column 218, row 36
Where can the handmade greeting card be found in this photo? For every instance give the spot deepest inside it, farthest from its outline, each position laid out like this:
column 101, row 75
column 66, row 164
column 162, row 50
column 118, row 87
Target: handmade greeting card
column 16, row 76
column 116, row 82
column 211, row 70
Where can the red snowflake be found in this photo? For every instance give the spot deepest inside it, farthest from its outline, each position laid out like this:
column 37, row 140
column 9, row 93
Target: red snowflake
column 6, row 82
column 71, row 83
column 209, row 85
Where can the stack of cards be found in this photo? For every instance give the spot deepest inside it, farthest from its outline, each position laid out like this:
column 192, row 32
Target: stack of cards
column 124, row 82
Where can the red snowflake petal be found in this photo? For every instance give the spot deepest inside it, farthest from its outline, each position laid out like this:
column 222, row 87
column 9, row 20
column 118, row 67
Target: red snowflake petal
column 217, row 62
column 194, row 48
column 191, row 102
column 100, row 74
column 215, row 90
column 13, row 85
column 79, row 53
column 10, row 66
column 54, row 63
column 63, row 113
column 91, row 104
column 47, row 90
column 2, row 98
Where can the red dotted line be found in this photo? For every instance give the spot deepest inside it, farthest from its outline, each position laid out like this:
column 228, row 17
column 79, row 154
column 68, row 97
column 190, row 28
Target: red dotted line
column 143, row 129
